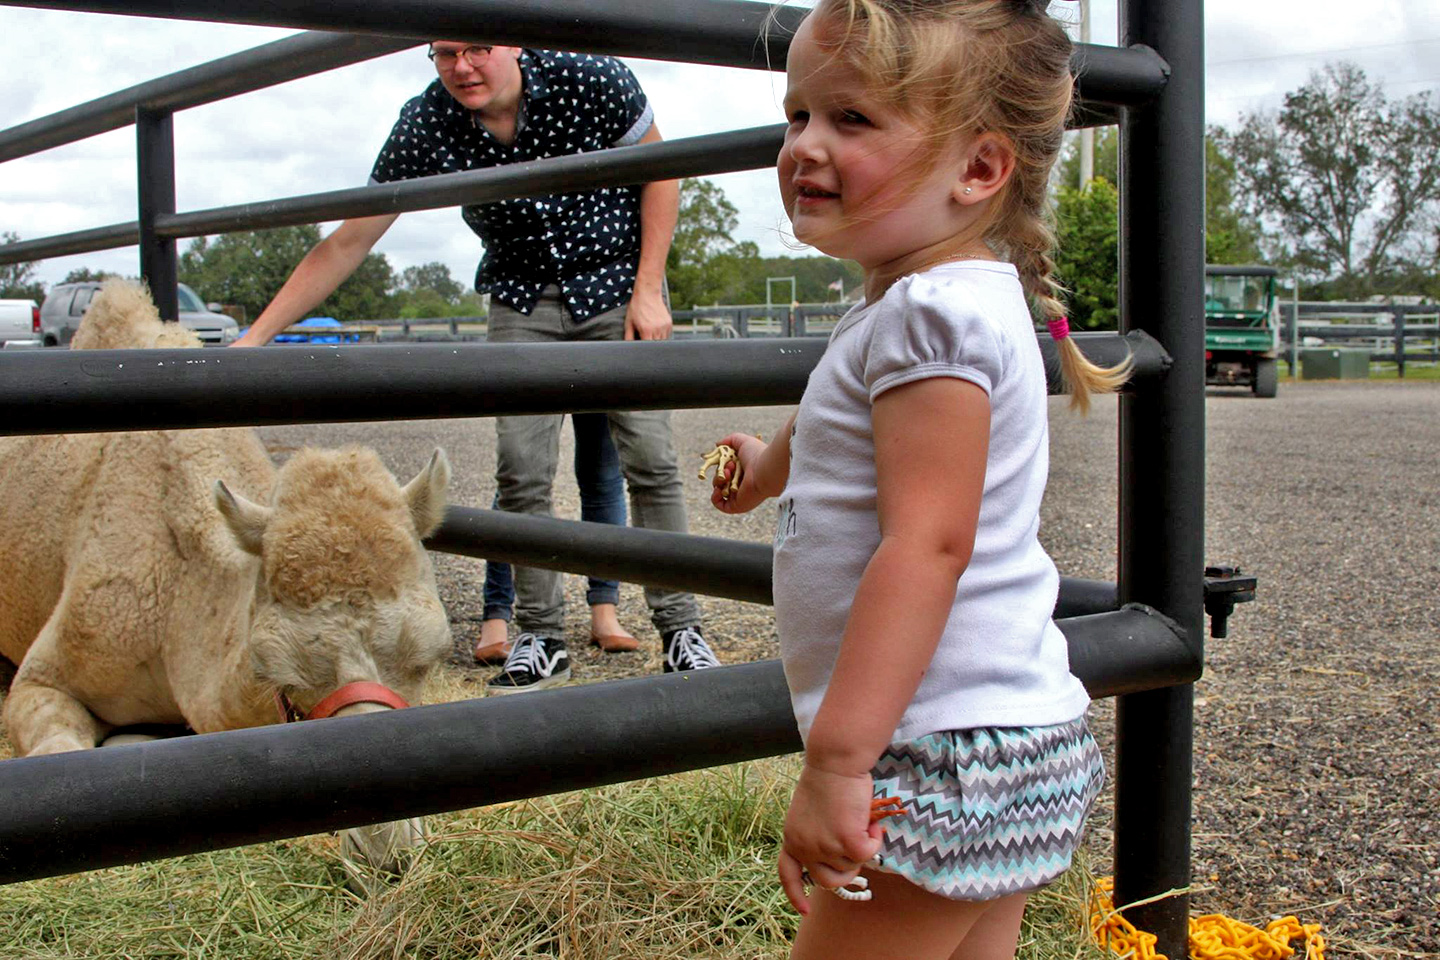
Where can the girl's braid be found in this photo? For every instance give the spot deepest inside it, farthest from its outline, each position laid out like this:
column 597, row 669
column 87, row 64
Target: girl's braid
column 1029, row 240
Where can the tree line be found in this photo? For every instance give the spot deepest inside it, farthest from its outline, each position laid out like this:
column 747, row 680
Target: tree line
column 247, row 269
column 1340, row 187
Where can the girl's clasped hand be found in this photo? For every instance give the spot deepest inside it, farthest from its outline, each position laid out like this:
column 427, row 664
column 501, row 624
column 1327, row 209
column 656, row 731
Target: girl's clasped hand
column 828, row 832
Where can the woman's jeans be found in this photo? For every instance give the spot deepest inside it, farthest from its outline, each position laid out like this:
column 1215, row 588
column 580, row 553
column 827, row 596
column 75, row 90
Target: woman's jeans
column 528, row 453
column 602, row 500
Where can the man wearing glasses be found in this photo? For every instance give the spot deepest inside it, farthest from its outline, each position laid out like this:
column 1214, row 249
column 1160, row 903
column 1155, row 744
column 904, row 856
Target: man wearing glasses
column 586, row 265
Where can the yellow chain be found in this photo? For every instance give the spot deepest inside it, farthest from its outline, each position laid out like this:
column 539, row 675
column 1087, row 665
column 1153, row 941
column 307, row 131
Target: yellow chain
column 1212, row 937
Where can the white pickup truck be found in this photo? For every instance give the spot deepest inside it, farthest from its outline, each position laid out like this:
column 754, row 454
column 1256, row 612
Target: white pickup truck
column 19, row 324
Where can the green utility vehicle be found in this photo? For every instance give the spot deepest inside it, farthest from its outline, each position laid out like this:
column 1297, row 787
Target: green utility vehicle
column 1241, row 328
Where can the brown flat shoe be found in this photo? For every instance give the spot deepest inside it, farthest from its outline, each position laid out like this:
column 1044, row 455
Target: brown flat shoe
column 615, row 642
column 492, row 652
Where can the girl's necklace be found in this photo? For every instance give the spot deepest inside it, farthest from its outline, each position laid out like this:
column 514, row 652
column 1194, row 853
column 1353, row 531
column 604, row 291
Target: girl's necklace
column 935, row 263
column 948, row 258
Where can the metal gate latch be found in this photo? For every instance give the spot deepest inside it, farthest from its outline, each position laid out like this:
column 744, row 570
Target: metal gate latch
column 1225, row 587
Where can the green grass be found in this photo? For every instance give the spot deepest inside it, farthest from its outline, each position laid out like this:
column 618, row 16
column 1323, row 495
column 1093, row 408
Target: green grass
column 1414, row 370
column 675, row 867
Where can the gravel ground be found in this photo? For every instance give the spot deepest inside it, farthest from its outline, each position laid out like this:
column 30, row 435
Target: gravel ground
column 1316, row 761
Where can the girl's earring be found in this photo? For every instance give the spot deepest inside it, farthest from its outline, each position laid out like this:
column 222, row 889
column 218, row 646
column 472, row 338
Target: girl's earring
column 969, row 190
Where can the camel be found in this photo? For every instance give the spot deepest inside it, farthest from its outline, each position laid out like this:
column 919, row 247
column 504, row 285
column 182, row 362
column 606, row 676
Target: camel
column 176, row 577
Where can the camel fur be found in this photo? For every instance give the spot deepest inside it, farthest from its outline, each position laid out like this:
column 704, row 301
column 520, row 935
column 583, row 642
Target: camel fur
column 177, row 577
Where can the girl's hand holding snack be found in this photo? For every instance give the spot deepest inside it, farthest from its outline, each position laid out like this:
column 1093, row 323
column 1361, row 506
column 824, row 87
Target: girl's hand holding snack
column 761, row 475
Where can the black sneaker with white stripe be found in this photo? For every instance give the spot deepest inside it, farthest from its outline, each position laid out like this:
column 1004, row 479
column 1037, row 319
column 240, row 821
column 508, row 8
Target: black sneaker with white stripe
column 534, row 663
column 686, row 649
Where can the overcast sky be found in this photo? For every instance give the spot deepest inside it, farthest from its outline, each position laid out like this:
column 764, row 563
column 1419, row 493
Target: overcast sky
column 322, row 133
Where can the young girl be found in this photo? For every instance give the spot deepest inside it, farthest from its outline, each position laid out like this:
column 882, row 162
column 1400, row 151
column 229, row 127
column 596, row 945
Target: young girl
column 912, row 596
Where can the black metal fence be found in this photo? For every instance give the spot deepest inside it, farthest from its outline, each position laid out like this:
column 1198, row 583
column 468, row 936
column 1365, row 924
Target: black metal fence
column 422, row 329
column 1140, row 640
column 1397, row 333
column 753, row 320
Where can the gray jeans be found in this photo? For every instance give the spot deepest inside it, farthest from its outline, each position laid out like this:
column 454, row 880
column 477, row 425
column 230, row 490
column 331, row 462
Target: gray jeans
column 528, row 452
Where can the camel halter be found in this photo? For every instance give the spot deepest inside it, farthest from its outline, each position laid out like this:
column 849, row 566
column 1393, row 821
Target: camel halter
column 362, row 691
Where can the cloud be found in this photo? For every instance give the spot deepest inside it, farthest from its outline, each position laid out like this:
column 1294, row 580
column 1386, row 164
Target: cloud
column 321, row 133
column 691, row 100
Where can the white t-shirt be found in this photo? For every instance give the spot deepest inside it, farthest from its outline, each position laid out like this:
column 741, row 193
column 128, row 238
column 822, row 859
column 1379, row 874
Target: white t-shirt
column 1001, row 661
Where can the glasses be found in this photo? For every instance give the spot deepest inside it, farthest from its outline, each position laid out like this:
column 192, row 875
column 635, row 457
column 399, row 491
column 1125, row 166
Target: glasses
column 475, row 55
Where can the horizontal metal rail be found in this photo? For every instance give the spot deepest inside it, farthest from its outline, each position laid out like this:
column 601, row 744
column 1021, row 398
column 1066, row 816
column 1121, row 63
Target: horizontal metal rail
column 1368, row 331
column 65, row 244
column 712, row 566
column 718, row 32
column 101, row 808
column 1242, row 270
column 1149, row 361
column 1318, row 308
column 288, row 59
column 93, row 391
column 1117, row 76
column 749, row 149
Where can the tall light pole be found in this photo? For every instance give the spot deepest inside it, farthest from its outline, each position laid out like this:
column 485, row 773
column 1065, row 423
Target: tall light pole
column 1087, row 135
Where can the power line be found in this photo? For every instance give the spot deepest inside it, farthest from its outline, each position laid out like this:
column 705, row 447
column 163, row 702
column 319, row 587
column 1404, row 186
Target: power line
column 1380, row 81
column 1320, row 53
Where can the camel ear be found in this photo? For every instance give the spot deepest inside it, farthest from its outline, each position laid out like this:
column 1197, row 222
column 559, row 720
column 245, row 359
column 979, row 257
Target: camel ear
column 246, row 519
column 426, row 494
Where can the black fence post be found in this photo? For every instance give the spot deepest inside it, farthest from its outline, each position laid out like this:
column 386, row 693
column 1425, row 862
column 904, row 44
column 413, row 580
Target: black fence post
column 1162, row 456
column 155, row 161
column 1292, row 331
column 1400, row 339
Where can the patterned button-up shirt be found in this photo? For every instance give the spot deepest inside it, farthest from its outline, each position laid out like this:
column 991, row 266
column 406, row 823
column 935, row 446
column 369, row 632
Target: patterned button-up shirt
column 587, row 242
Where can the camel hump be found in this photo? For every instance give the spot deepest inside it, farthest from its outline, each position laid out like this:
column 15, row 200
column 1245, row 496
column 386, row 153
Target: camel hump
column 123, row 315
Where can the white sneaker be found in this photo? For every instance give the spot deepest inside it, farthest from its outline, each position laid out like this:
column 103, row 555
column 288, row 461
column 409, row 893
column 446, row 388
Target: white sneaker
column 686, row 649
column 534, row 663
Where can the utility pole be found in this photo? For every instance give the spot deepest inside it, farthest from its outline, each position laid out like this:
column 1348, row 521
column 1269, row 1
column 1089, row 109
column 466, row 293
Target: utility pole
column 1087, row 135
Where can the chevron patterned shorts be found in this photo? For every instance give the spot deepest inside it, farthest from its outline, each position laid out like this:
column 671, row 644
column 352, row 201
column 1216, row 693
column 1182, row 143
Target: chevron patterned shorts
column 990, row 811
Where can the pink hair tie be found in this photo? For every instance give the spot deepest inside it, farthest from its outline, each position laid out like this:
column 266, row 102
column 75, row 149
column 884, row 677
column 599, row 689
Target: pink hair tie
column 1059, row 329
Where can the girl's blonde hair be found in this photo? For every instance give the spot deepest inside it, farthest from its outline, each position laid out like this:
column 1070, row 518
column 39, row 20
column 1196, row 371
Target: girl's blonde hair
column 982, row 66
